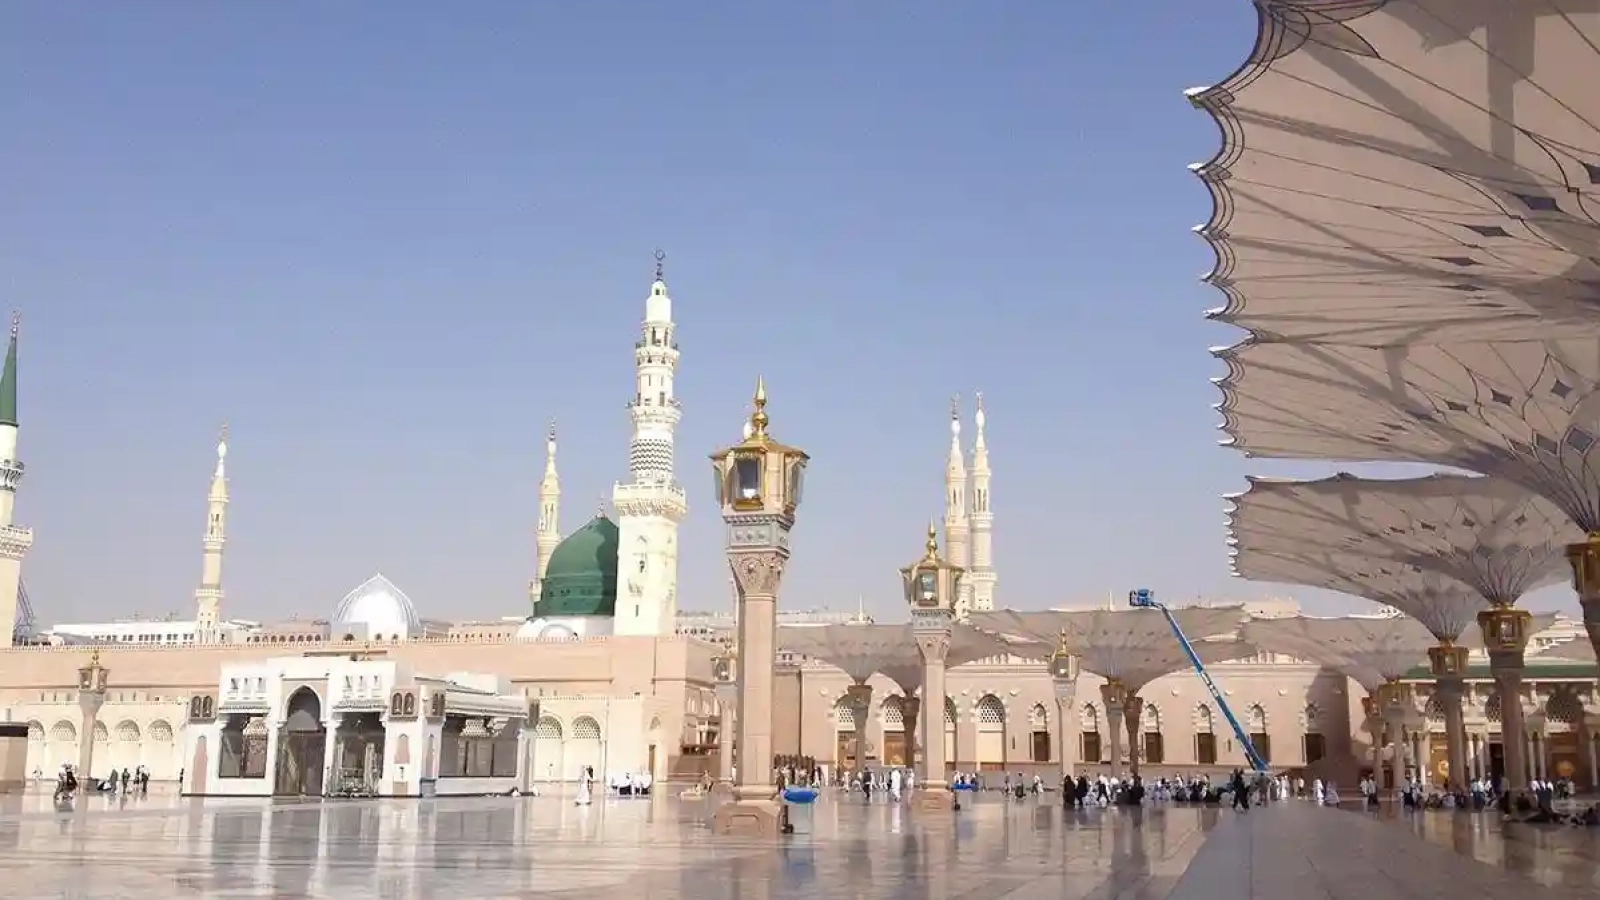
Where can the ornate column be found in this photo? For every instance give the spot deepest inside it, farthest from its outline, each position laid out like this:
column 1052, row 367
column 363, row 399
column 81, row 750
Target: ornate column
column 1132, row 716
column 1115, row 696
column 858, row 698
column 1448, row 663
column 931, row 586
column 1374, row 726
column 1064, row 671
column 1505, row 635
column 1584, row 557
column 724, row 669
column 758, row 487
column 92, row 680
column 911, row 716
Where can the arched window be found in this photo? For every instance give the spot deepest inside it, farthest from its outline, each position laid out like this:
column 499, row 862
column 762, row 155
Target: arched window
column 1315, row 745
column 991, row 713
column 1039, row 734
column 585, row 728
column 1089, row 734
column 1259, row 738
column 1155, row 748
column 843, row 716
column 1205, row 738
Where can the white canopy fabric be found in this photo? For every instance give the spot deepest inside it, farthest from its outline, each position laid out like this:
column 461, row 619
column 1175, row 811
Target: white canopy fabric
column 1526, row 412
column 1369, row 650
column 1401, row 171
column 865, row 650
column 1135, row 646
column 1444, row 606
column 1487, row 534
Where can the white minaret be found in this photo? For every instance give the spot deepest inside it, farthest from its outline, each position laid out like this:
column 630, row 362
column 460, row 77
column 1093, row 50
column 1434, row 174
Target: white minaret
column 14, row 541
column 650, row 506
column 956, row 527
column 982, row 576
column 208, row 597
column 549, row 517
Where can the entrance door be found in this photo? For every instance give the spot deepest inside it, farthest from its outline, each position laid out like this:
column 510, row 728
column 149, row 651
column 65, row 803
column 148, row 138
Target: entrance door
column 1497, row 761
column 894, row 748
column 301, row 747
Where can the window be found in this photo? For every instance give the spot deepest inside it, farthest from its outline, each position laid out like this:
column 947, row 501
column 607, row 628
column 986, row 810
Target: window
column 1205, row 749
column 1316, row 748
column 1154, row 752
column 1091, row 746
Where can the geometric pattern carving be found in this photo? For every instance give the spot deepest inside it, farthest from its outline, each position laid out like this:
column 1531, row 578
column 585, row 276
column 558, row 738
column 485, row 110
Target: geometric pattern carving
column 160, row 732
column 63, row 731
column 1256, row 718
column 549, row 728
column 1357, row 197
column 1416, row 544
column 1524, row 412
column 1564, row 707
column 1038, row 718
column 949, row 712
column 844, row 715
column 990, row 711
column 1492, row 708
column 893, row 711
column 1202, row 718
column 585, row 728
column 1310, row 721
column 1089, row 719
column 128, row 732
column 758, row 574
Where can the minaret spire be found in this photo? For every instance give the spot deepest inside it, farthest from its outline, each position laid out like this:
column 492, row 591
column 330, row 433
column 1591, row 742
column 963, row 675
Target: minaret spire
column 208, row 597
column 649, row 506
column 549, row 529
column 14, row 541
column 957, row 527
column 982, row 578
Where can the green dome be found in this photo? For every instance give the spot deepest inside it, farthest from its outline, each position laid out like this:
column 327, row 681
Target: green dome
column 581, row 578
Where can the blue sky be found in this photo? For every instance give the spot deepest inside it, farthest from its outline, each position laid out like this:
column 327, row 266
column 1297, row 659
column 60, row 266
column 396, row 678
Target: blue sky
column 387, row 243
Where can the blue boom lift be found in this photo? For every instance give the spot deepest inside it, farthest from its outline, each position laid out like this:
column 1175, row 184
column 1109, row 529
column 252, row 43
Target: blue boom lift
column 1144, row 599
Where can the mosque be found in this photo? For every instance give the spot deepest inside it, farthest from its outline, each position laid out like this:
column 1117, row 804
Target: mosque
column 604, row 671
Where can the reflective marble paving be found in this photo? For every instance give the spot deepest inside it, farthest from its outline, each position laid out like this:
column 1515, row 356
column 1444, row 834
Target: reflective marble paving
column 166, row 847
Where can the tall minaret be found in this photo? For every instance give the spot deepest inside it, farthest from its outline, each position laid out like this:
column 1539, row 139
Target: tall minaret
column 549, row 516
column 651, row 504
column 982, row 577
column 208, row 597
column 14, row 541
column 956, row 526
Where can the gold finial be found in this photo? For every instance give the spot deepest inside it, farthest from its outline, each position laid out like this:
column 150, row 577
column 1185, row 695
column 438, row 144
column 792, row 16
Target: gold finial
column 600, row 509
column 1061, row 644
column 552, row 432
column 933, row 540
column 661, row 265
column 955, row 407
column 94, row 660
column 758, row 419
column 222, row 434
column 16, row 323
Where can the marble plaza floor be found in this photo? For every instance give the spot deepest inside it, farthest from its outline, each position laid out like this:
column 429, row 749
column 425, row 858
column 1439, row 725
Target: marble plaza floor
column 166, row 847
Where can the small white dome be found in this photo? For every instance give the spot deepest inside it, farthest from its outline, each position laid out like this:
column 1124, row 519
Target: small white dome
column 383, row 608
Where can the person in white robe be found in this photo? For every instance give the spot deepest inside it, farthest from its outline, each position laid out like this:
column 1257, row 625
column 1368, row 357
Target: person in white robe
column 1316, row 790
column 585, row 787
column 895, row 780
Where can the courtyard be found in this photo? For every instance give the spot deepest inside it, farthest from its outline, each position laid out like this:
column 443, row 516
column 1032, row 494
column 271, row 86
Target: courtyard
column 164, row 846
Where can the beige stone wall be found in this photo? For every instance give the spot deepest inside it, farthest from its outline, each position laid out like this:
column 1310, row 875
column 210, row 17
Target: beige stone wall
column 13, row 756
column 666, row 681
column 999, row 707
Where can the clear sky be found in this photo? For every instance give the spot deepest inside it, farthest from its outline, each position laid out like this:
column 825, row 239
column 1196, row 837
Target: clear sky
column 388, row 241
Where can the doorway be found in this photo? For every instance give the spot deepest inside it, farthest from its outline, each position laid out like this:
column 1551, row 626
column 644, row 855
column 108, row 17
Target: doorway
column 1497, row 761
column 302, row 743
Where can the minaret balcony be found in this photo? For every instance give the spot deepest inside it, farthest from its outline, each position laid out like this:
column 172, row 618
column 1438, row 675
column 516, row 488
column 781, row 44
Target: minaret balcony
column 662, row 498
column 14, row 541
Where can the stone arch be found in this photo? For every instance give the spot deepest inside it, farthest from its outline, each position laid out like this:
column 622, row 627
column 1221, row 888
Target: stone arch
column 548, row 747
column 1152, row 744
column 893, row 713
column 990, row 713
column 1313, row 743
column 128, row 732
column 160, row 731
column 1564, row 707
column 950, row 713
column 1256, row 718
column 1260, row 737
column 1491, row 707
column 582, row 750
column 102, row 734
column 1205, row 734
column 35, row 731
column 1089, row 733
column 402, row 750
column 1311, row 718
column 1150, row 718
column 302, row 710
column 844, row 716
column 1039, row 740
column 1038, row 717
